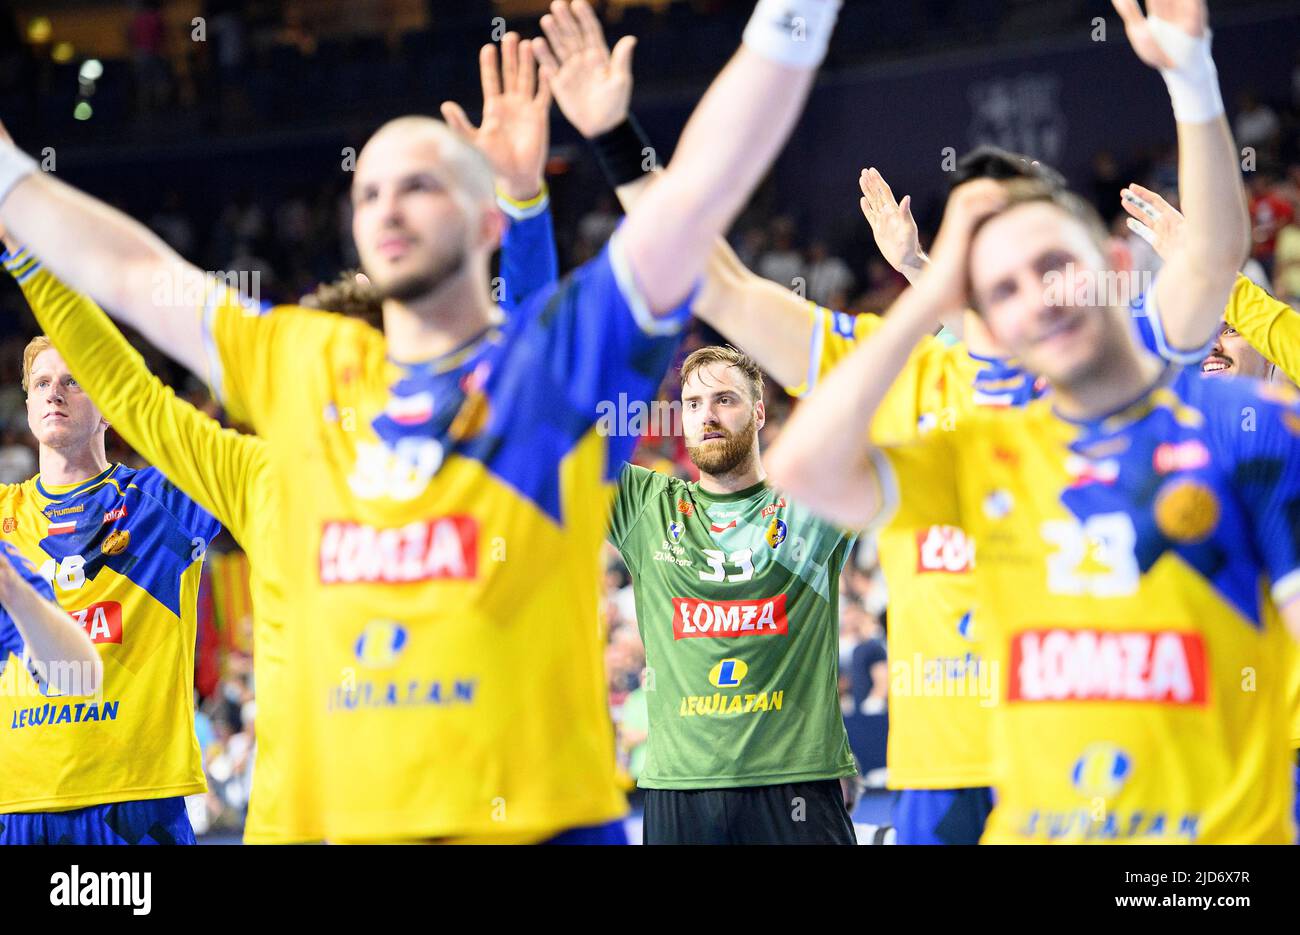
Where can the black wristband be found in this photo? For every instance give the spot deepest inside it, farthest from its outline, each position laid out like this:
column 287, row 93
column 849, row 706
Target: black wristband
column 622, row 153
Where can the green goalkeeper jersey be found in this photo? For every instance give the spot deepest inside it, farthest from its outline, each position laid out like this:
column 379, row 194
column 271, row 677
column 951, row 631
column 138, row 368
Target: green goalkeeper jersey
column 737, row 600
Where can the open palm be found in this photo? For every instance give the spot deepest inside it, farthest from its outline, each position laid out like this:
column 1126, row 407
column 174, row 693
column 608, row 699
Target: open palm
column 1189, row 16
column 592, row 85
column 515, row 131
column 891, row 223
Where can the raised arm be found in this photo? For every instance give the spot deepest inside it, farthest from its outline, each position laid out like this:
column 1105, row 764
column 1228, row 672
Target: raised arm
column 1270, row 326
column 210, row 464
column 593, row 88
column 60, row 653
column 728, row 145
column 1199, row 273
column 824, row 456
column 119, row 261
column 514, row 134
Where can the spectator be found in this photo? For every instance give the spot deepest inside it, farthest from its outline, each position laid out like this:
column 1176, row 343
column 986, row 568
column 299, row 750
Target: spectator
column 782, row 262
column 598, row 224
column 634, row 729
column 1286, row 264
column 829, row 278
column 869, row 668
column 173, row 224
column 17, row 459
column 1270, row 212
column 146, row 35
column 1107, row 182
column 1256, row 124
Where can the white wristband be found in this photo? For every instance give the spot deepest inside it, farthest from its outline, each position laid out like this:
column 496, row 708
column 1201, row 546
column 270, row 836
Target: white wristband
column 795, row 33
column 15, row 165
column 1193, row 82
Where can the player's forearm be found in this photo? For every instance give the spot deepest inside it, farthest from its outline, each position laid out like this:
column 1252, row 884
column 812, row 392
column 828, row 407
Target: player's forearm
column 823, row 456
column 117, row 260
column 63, row 652
column 529, row 260
column 182, row 442
column 1198, row 275
column 1216, row 232
column 1270, row 326
column 728, row 145
column 770, row 324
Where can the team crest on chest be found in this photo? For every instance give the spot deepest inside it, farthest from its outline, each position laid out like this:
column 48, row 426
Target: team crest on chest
column 115, row 542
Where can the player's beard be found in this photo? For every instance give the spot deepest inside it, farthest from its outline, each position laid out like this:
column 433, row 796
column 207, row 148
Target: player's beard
column 425, row 283
column 735, row 449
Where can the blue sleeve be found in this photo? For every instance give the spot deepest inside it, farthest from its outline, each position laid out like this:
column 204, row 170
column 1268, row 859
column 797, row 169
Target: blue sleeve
column 605, row 346
column 195, row 521
column 528, row 257
column 1266, row 475
column 10, row 639
column 1151, row 332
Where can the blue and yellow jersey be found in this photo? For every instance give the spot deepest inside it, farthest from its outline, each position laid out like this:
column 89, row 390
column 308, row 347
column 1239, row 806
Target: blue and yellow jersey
column 11, row 641
column 123, row 551
column 940, row 692
column 228, row 474
column 440, row 527
column 1127, row 568
column 1272, row 328
column 225, row 472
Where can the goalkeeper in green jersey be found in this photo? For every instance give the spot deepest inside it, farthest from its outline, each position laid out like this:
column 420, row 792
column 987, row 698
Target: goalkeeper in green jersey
column 737, row 600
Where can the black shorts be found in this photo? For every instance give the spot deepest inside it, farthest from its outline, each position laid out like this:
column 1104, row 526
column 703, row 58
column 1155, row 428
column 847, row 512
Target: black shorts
column 791, row 813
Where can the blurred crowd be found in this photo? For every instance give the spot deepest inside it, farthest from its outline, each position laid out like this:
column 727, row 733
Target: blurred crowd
column 301, row 240
column 292, row 242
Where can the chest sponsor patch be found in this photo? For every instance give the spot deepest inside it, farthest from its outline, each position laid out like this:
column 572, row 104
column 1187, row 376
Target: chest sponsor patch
column 944, row 548
column 446, row 547
column 1158, row 666
column 102, row 621
column 693, row 618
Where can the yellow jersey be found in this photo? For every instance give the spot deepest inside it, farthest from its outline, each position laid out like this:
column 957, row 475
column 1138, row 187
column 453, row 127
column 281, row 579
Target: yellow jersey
column 440, row 526
column 123, row 551
column 1125, row 571
column 226, row 473
column 1273, row 328
column 940, row 691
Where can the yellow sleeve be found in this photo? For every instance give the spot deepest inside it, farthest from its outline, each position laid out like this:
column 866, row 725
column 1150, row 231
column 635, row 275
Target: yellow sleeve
column 247, row 347
column 834, row 336
column 1272, row 327
column 918, row 481
column 210, row 464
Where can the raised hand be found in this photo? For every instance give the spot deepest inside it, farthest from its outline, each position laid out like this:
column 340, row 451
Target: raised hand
column 592, row 85
column 946, row 279
column 891, row 223
column 515, row 131
column 1153, row 219
column 1187, row 16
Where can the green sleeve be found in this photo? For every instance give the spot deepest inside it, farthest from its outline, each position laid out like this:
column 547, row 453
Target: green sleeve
column 636, row 486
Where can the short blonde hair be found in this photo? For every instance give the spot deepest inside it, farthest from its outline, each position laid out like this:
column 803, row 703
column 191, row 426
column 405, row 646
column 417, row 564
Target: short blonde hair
column 35, row 347
column 720, row 354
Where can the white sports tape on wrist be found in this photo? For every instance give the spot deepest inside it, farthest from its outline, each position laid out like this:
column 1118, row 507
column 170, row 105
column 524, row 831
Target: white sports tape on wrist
column 15, row 165
column 792, row 32
column 1193, row 82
